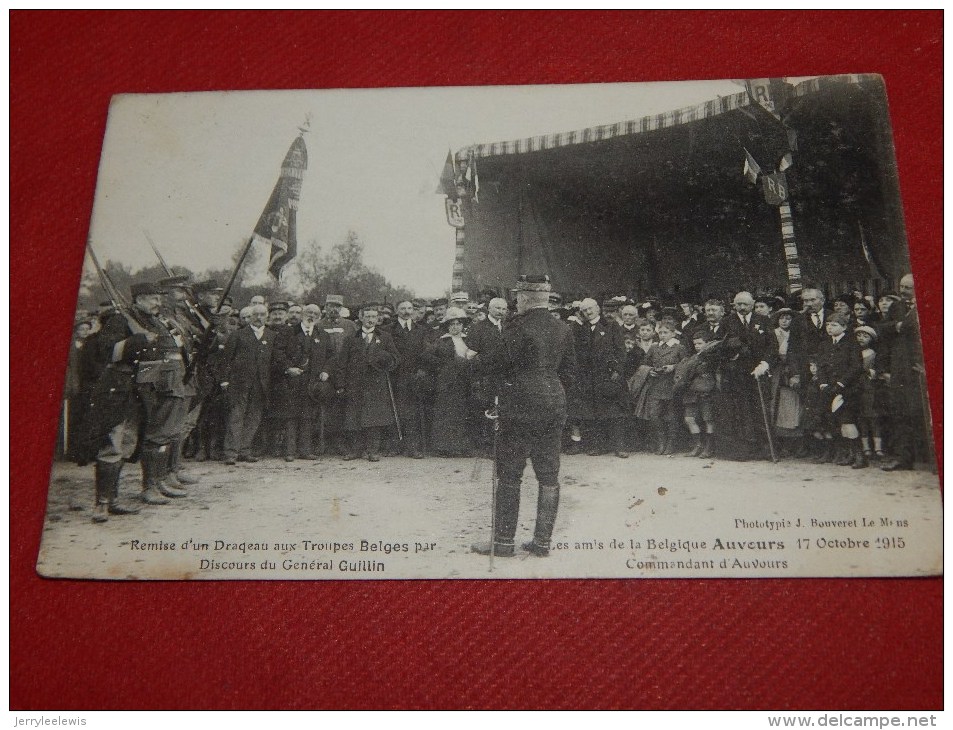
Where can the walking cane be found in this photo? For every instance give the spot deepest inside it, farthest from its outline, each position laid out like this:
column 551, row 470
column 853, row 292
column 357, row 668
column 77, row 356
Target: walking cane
column 321, row 444
column 926, row 415
column 494, row 415
column 767, row 426
column 66, row 450
column 393, row 405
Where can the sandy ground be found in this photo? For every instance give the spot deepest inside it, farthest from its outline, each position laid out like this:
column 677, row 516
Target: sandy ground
column 646, row 516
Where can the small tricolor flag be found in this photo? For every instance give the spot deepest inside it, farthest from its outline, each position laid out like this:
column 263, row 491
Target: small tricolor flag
column 472, row 177
column 448, row 178
column 751, row 169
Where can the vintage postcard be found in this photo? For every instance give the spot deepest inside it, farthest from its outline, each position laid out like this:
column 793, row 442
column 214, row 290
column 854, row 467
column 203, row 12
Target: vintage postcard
column 594, row 331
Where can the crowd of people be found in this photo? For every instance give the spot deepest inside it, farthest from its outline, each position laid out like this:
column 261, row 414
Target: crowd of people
column 180, row 373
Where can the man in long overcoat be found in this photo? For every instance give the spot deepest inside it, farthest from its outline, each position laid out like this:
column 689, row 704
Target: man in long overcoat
column 410, row 339
column 300, row 367
column 484, row 336
column 361, row 376
column 246, row 365
column 598, row 396
column 747, row 352
column 900, row 333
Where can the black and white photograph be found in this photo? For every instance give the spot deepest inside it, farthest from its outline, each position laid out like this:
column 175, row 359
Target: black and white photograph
column 658, row 330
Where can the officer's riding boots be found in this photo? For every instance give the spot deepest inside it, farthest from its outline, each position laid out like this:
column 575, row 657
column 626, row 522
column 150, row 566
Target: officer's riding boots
column 174, row 476
column 154, row 465
column 547, row 505
column 506, row 516
column 107, row 492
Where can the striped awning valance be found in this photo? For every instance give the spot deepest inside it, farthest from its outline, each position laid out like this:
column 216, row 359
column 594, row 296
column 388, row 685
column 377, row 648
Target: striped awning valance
column 705, row 110
column 811, row 86
column 608, row 131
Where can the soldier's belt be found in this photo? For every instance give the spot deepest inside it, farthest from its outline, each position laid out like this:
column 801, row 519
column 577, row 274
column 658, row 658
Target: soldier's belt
column 161, row 372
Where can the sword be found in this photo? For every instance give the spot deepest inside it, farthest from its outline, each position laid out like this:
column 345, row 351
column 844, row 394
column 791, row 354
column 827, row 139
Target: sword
column 66, row 449
column 494, row 415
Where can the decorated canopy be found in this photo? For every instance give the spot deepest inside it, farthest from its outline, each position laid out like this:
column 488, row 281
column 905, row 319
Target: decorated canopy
column 669, row 204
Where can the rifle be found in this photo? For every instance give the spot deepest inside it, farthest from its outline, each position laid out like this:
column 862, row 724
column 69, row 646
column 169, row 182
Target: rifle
column 203, row 323
column 115, row 296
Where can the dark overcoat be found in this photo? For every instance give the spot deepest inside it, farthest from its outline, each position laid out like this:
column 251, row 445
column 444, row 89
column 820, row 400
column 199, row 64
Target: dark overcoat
column 841, row 367
column 484, row 337
column 900, row 344
column 300, row 396
column 361, row 370
column 600, row 352
column 535, row 365
column 246, row 362
column 410, row 348
column 112, row 393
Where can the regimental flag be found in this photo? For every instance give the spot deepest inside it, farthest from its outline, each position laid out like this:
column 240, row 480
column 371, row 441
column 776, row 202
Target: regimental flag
column 751, row 169
column 448, row 178
column 277, row 226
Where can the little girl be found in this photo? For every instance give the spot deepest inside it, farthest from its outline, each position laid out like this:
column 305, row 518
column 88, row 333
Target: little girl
column 869, row 416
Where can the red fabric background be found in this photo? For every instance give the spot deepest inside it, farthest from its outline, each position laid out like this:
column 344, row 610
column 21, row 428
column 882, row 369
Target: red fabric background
column 635, row 644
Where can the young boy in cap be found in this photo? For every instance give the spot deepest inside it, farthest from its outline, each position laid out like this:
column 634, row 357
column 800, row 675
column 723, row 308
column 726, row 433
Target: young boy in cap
column 840, row 368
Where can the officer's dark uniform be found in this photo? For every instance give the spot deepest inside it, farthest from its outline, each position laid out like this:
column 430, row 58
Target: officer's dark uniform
column 534, row 364
column 155, row 370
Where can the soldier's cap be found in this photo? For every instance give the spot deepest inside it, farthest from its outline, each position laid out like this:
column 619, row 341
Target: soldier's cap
column 533, row 282
column 145, row 288
column 459, row 297
column 334, row 299
column 283, row 306
column 171, row 282
column 442, row 302
column 209, row 285
column 869, row 330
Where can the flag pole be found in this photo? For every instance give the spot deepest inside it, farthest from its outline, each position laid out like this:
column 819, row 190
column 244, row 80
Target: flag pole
column 231, row 281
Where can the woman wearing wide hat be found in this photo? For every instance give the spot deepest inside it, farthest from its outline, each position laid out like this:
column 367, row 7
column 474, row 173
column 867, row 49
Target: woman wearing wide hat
column 449, row 359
